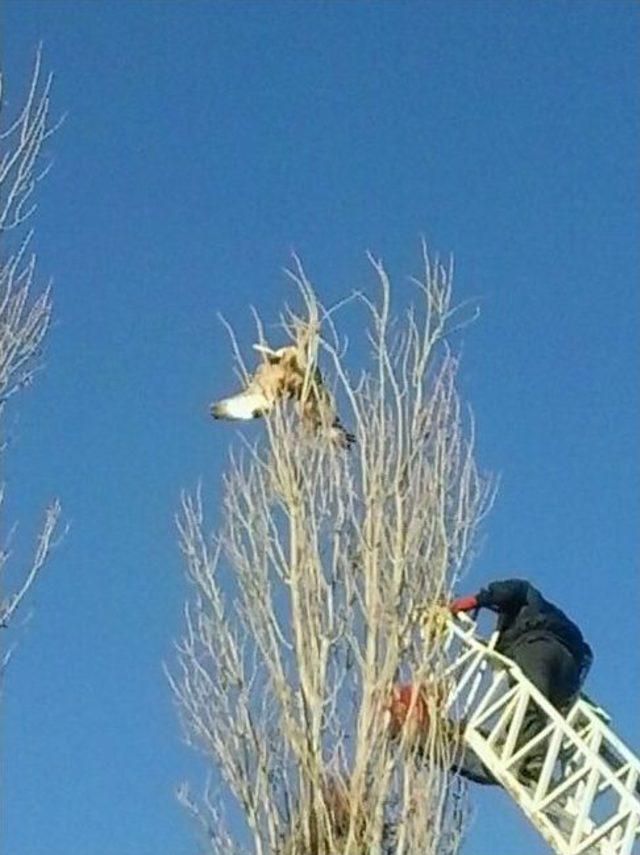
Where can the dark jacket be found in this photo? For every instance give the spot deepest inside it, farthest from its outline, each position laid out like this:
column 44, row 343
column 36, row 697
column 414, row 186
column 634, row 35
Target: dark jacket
column 523, row 614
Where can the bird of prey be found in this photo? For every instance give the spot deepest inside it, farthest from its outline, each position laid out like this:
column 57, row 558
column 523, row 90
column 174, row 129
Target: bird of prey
column 282, row 374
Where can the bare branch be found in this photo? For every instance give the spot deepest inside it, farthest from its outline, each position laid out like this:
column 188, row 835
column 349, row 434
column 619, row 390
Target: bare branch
column 304, row 600
column 25, row 311
column 44, row 544
column 22, row 142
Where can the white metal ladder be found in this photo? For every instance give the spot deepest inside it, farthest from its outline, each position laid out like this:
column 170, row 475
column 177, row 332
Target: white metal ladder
column 584, row 799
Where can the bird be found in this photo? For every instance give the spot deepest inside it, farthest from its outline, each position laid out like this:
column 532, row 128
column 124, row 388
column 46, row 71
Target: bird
column 283, row 373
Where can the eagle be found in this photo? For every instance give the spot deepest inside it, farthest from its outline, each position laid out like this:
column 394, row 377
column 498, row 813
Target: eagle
column 283, row 374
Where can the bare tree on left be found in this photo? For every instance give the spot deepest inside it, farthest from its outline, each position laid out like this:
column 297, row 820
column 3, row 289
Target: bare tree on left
column 25, row 311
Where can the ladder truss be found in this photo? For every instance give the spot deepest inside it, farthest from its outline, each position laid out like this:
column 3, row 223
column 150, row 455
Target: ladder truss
column 584, row 795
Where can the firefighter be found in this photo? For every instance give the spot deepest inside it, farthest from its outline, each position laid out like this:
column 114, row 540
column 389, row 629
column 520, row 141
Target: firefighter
column 546, row 645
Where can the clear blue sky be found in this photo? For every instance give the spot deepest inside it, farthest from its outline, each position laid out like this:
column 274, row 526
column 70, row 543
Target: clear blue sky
column 203, row 142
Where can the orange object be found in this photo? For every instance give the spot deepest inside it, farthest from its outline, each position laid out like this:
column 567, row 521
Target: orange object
column 406, row 701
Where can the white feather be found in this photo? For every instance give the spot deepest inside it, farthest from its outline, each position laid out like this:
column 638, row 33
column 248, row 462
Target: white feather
column 243, row 406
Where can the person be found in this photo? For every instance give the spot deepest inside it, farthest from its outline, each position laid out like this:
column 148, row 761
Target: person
column 547, row 646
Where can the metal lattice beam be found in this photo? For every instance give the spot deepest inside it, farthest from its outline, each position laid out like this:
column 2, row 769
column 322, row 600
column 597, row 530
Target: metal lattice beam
column 584, row 797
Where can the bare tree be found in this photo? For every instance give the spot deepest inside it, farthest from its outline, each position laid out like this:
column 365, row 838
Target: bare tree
column 25, row 309
column 303, row 615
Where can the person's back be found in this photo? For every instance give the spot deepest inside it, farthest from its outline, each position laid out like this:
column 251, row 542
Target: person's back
column 524, row 615
column 547, row 646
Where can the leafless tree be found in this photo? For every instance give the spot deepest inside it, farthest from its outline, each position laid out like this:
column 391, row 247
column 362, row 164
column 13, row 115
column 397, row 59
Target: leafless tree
column 25, row 309
column 303, row 615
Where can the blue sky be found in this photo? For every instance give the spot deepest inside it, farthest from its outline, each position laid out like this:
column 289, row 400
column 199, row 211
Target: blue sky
column 203, row 142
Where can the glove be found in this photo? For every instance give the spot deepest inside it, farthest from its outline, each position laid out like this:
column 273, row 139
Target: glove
column 463, row 604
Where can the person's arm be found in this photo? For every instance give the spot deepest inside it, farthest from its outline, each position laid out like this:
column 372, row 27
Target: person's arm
column 498, row 596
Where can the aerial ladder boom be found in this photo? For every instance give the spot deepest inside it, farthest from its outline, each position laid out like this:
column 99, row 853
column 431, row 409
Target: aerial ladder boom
column 585, row 796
